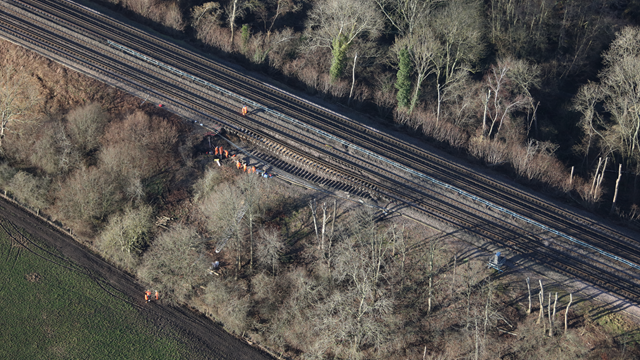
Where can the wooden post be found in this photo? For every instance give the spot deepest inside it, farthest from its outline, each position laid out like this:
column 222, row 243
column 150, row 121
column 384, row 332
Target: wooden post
column 615, row 194
column 567, row 312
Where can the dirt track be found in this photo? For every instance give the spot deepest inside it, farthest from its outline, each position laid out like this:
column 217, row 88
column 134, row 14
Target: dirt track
column 204, row 338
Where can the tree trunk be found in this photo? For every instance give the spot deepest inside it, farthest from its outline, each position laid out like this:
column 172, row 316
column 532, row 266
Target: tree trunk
column 566, row 312
column 312, row 204
column 333, row 221
column 615, row 194
column 416, row 93
column 353, row 78
column 529, row 289
column 541, row 294
column 439, row 102
column 484, row 116
column 550, row 317
column 555, row 302
column 232, row 20
column 324, row 221
column 544, row 322
column 250, row 241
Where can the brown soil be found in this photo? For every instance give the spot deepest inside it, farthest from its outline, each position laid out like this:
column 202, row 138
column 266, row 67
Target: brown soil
column 205, row 338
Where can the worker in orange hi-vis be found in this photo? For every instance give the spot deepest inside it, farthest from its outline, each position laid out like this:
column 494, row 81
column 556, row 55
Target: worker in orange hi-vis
column 238, row 165
column 226, row 154
column 147, row 295
column 216, row 151
column 244, row 110
column 157, row 295
column 253, row 169
column 244, row 167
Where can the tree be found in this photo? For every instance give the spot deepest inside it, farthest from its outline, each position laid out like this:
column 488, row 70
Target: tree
column 30, row 190
column 458, row 28
column 503, row 98
column 236, row 9
column 270, row 11
column 406, row 15
column 19, row 97
column 403, row 82
column 87, row 197
column 126, row 235
column 85, row 125
column 337, row 24
column 356, row 315
column 173, row 264
column 251, row 194
column 224, row 212
column 421, row 47
column 270, row 248
column 618, row 125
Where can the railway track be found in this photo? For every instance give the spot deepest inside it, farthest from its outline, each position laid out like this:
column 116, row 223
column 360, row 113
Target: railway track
column 56, row 16
column 575, row 225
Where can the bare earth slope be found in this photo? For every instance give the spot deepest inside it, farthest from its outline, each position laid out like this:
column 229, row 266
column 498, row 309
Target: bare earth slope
column 204, row 337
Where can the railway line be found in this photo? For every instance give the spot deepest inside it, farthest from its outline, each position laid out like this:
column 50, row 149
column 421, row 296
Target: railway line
column 52, row 35
column 96, row 25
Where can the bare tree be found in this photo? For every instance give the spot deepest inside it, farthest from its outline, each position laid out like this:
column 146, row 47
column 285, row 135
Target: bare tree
column 407, row 15
column 236, row 9
column 127, row 233
column 619, row 130
column 19, row 97
column 337, row 24
column 458, row 28
column 422, row 47
column 566, row 313
column 270, row 11
column 250, row 185
column 86, row 125
column 270, row 248
column 173, row 264
column 30, row 190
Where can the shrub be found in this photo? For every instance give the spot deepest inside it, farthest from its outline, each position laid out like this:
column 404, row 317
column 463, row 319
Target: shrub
column 30, row 190
column 173, row 263
column 86, row 125
column 126, row 235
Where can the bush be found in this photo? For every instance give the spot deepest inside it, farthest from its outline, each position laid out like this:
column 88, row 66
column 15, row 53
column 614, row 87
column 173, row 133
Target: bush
column 229, row 304
column 87, row 197
column 173, row 264
column 6, row 174
column 30, row 190
column 126, row 235
column 86, row 125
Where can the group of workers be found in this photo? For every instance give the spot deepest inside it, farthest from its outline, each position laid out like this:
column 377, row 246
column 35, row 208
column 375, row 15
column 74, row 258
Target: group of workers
column 147, row 296
column 251, row 170
column 218, row 151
